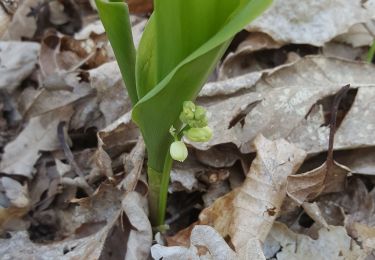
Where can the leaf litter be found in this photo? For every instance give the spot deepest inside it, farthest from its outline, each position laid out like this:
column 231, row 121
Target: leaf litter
column 73, row 183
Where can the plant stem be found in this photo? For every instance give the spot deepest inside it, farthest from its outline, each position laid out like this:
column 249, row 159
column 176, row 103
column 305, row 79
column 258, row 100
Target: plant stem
column 158, row 184
column 371, row 52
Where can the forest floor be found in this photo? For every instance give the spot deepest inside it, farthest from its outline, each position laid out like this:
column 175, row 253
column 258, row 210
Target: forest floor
column 288, row 174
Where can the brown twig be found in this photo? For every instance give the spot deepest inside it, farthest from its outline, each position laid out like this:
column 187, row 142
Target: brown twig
column 69, row 156
column 333, row 121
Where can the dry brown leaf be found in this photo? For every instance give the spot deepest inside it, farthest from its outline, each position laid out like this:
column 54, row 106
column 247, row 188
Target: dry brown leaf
column 140, row 234
column 311, row 22
column 365, row 235
column 40, row 134
column 249, row 211
column 201, row 236
column 133, row 165
column 307, row 186
column 17, row 61
column 359, row 161
column 233, row 65
column 22, row 26
column 140, row 6
column 92, row 231
column 287, row 95
column 119, row 135
column 333, row 243
column 343, row 51
column 14, row 203
column 358, row 35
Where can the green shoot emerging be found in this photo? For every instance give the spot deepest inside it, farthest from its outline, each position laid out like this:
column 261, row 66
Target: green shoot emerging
column 181, row 44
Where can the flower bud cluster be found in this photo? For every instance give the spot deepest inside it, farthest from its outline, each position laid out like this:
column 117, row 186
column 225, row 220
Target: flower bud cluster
column 195, row 129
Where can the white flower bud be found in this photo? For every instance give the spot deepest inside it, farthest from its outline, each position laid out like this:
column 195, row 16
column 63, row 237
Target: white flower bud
column 178, row 151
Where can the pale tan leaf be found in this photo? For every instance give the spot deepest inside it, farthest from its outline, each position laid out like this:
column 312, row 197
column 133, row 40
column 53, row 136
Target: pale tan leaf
column 201, row 236
column 249, row 211
column 307, row 186
column 333, row 243
column 40, row 134
column 286, row 97
column 22, row 26
column 311, row 22
column 140, row 236
column 17, row 61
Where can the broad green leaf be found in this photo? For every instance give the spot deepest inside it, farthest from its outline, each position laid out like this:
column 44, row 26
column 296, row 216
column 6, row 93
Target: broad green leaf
column 180, row 47
column 115, row 17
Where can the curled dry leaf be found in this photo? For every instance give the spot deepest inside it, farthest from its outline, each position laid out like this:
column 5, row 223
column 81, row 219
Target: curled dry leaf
column 233, row 63
column 249, row 211
column 40, row 134
column 279, row 105
column 17, row 61
column 333, row 243
column 315, row 23
column 307, row 186
column 358, row 35
column 119, row 135
column 205, row 243
column 133, row 165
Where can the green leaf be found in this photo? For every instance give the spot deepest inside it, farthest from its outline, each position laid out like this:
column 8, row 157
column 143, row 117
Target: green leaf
column 180, row 47
column 115, row 17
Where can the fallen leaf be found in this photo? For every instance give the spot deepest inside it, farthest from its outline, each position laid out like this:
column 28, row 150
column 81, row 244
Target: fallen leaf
column 22, row 25
column 140, row 6
column 279, row 105
column 17, row 61
column 201, row 236
column 307, row 186
column 249, row 211
column 140, row 235
column 333, row 243
column 40, row 134
column 312, row 23
column 118, row 136
column 133, row 165
column 358, row 35
column 234, row 63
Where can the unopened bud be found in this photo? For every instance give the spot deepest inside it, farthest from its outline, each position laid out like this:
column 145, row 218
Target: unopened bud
column 200, row 113
column 178, row 151
column 203, row 134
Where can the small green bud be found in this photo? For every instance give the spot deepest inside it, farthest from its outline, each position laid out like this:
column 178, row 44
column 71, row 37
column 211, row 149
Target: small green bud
column 203, row 134
column 188, row 105
column 186, row 116
column 200, row 113
column 178, row 151
column 198, row 123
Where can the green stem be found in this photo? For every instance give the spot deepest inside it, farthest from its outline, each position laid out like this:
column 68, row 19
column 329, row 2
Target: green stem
column 158, row 184
column 371, row 52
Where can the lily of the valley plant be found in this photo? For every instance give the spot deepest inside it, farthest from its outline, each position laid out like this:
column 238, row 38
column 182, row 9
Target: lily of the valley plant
column 181, row 44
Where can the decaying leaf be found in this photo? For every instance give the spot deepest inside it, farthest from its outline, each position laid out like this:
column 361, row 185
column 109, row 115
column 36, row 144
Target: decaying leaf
column 39, row 135
column 307, row 186
column 22, row 25
column 133, row 165
column 119, row 135
column 17, row 61
column 249, row 211
column 333, row 243
column 214, row 247
column 234, row 63
column 140, row 233
column 314, row 23
column 14, row 202
column 279, row 105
